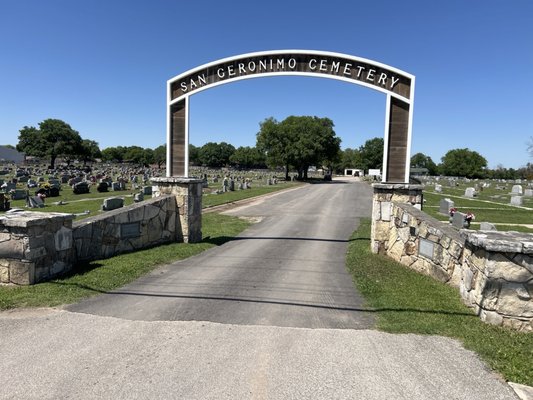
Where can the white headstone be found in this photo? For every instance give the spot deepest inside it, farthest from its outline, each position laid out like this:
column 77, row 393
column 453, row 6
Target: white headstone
column 516, row 200
column 528, row 192
column 487, row 226
column 470, row 192
column 517, row 189
column 458, row 220
column 438, row 188
column 445, row 205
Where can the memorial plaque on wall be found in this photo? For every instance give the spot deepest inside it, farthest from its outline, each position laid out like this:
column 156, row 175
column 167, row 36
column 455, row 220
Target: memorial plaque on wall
column 130, row 230
column 425, row 248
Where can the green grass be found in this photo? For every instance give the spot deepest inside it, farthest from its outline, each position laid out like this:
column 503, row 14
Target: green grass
column 76, row 204
column 210, row 200
column 484, row 211
column 408, row 302
column 103, row 275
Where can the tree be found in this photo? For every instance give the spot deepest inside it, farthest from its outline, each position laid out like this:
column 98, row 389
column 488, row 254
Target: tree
column 372, row 154
column 300, row 142
column 420, row 160
column 160, row 155
column 215, row 155
column 248, row 157
column 89, row 150
column 194, row 154
column 273, row 142
column 463, row 162
column 114, row 154
column 54, row 138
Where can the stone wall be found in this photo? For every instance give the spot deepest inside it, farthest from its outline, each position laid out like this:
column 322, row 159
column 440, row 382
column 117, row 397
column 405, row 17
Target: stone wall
column 35, row 246
column 493, row 271
column 188, row 194
column 138, row 226
column 384, row 196
column 498, row 277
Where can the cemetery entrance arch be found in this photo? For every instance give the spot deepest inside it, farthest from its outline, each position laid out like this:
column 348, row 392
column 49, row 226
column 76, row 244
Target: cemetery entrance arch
column 396, row 84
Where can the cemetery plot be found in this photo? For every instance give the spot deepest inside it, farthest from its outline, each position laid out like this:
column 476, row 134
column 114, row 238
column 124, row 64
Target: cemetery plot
column 506, row 205
column 85, row 194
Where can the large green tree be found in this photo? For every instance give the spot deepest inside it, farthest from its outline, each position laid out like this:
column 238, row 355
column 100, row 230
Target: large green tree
column 463, row 162
column 53, row 138
column 160, row 155
column 272, row 141
column 248, row 157
column 114, row 154
column 89, row 150
column 299, row 141
column 372, row 154
column 420, row 160
column 215, row 155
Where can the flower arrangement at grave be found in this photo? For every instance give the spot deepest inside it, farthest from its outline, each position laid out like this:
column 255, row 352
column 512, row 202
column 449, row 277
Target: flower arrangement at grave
column 469, row 217
column 453, row 210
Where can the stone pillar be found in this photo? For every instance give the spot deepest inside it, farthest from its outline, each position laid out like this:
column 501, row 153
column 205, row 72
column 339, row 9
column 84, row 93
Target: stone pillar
column 188, row 193
column 384, row 195
column 35, row 246
column 497, row 277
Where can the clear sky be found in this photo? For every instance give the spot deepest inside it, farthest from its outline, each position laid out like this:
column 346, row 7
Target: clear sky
column 102, row 67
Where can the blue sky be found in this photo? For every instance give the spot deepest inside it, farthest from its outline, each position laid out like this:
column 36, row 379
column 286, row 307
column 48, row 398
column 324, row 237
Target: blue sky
column 102, row 66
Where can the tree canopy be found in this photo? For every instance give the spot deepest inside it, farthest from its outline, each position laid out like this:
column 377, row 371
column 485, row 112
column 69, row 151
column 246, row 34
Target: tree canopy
column 420, row 160
column 300, row 142
column 463, row 162
column 248, row 157
column 215, row 154
column 53, row 139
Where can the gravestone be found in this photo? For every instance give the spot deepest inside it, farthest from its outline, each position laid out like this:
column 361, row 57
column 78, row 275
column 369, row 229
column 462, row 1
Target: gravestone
column 53, row 191
column 516, row 201
column 80, row 188
column 8, row 186
column 115, row 186
column 112, row 203
column 517, row 189
column 40, row 179
column 23, row 179
column 138, row 197
column 438, row 188
column 528, row 192
column 31, row 183
column 4, row 203
column 102, row 187
column 18, row 194
column 470, row 192
column 487, row 226
column 147, row 190
column 65, row 178
column 445, row 205
column 458, row 220
column 54, row 182
column 232, row 185
column 34, row 202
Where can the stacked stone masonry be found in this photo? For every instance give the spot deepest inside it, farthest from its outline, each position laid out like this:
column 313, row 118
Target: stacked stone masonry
column 127, row 229
column 493, row 271
column 36, row 246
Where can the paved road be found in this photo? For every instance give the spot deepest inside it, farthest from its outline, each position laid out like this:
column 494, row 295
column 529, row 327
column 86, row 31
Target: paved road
column 287, row 270
column 264, row 295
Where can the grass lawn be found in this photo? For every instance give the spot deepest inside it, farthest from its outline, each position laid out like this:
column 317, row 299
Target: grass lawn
column 103, row 275
column 77, row 204
column 484, row 211
column 408, row 302
column 210, row 200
